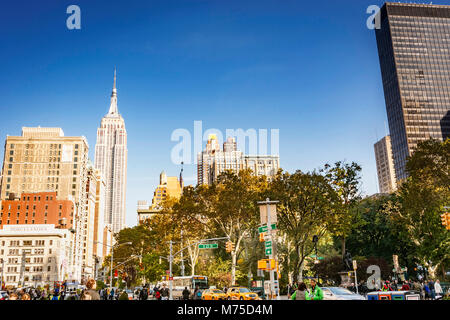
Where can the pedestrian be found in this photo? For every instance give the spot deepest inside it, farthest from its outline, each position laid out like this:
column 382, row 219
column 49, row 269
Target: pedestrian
column 111, row 294
column 316, row 292
column 438, row 289
column 157, row 294
column 387, row 286
column 13, row 296
column 427, row 291
column 91, row 285
column 405, row 286
column 25, row 296
column 301, row 293
column 186, row 293
column 164, row 293
column 432, row 290
column 197, row 293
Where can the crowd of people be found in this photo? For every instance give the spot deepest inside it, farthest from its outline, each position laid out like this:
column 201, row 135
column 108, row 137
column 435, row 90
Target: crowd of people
column 429, row 290
column 62, row 293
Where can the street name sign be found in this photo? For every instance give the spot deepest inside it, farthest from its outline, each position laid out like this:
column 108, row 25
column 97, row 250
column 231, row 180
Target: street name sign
column 208, row 246
column 263, row 229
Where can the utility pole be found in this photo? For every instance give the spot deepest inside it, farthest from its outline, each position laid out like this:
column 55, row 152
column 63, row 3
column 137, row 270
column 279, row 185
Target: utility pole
column 182, row 259
column 170, row 272
column 273, row 255
column 3, row 271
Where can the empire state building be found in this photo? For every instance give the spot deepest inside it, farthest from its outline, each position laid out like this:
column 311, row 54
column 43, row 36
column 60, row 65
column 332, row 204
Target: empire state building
column 111, row 159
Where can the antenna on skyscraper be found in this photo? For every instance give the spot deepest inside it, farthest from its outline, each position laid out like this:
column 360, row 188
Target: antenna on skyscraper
column 181, row 176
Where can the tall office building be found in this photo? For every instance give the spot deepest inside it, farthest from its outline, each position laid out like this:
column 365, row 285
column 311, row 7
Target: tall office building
column 213, row 161
column 414, row 51
column 111, row 159
column 44, row 160
column 169, row 187
column 385, row 165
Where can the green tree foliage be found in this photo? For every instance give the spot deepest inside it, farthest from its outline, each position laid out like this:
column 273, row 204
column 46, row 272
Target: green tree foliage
column 345, row 179
column 307, row 203
column 420, row 202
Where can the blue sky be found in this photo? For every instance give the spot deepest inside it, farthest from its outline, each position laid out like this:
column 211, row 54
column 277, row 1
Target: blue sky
column 308, row 68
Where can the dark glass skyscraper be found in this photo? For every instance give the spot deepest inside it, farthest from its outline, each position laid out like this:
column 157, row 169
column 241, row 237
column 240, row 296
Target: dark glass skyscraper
column 414, row 51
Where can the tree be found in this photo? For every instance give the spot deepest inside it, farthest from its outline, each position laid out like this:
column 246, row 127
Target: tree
column 375, row 234
column 233, row 208
column 307, row 203
column 345, row 179
column 190, row 214
column 421, row 200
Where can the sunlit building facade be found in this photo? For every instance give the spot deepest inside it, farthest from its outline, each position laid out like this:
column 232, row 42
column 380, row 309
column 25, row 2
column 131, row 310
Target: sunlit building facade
column 111, row 159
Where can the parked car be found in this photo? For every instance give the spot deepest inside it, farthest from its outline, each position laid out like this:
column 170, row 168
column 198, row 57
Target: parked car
column 338, row 293
column 241, row 293
column 213, row 294
column 4, row 295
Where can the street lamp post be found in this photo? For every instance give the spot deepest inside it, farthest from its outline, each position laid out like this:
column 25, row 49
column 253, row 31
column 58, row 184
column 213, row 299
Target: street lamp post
column 3, row 270
column 316, row 260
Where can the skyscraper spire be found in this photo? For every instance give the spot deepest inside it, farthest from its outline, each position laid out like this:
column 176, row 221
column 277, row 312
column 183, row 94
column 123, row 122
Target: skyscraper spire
column 113, row 106
column 114, row 87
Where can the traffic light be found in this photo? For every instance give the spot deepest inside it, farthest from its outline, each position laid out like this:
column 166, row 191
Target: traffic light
column 445, row 218
column 229, row 246
column 262, row 237
column 116, row 274
column 268, row 264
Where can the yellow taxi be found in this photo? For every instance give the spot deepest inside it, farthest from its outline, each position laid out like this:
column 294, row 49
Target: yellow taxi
column 213, row 294
column 241, row 293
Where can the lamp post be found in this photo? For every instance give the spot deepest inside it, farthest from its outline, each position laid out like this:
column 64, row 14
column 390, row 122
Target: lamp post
column 1, row 278
column 315, row 239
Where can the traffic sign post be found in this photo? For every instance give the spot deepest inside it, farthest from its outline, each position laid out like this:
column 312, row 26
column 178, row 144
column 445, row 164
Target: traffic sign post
column 355, row 266
column 269, row 215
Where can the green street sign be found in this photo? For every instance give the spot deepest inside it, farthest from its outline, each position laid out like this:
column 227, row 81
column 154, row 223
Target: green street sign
column 208, row 246
column 313, row 256
column 264, row 228
column 268, row 244
column 268, row 251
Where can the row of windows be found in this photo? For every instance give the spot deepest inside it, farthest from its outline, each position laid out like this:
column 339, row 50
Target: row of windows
column 16, row 243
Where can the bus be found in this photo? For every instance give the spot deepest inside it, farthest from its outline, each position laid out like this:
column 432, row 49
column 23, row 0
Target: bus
column 179, row 283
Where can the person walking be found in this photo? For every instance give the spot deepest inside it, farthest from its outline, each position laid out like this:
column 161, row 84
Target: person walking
column 316, row 292
column 405, row 286
column 438, row 289
column 186, row 293
column 91, row 285
column 197, row 293
column 111, row 294
column 432, row 290
column 301, row 293
column 164, row 293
